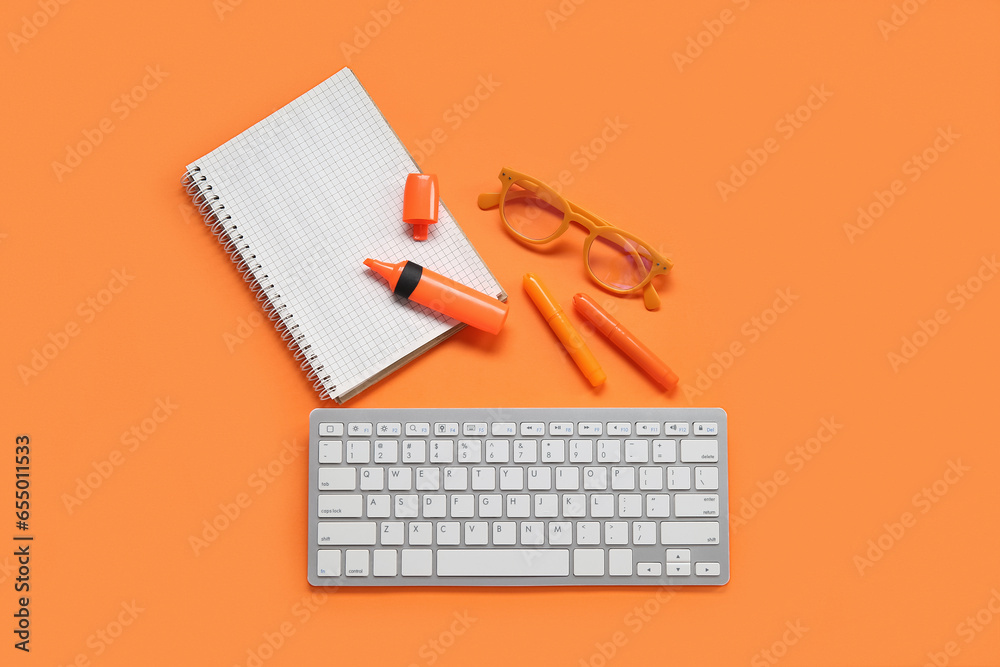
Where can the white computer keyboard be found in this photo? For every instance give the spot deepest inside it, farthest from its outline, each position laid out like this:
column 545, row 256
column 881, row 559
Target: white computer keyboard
column 518, row 497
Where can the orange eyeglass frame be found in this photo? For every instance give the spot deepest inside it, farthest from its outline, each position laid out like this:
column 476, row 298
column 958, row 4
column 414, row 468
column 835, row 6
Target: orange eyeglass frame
column 595, row 225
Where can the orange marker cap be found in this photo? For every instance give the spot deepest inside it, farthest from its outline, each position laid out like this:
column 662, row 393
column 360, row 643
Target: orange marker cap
column 420, row 203
column 414, row 282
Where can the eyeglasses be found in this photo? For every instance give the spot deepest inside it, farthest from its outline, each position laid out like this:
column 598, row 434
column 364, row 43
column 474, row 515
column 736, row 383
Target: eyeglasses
column 618, row 261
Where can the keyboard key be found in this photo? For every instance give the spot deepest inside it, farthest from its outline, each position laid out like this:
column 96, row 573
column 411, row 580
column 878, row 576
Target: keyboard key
column 630, row 505
column 588, row 562
column 504, row 533
column 567, row 478
column 414, row 451
column 498, row 451
column 581, row 451
column 678, row 478
column 503, row 428
column 328, row 429
column 442, row 451
column 619, row 428
column 328, row 562
column 647, row 428
column 706, row 478
column 706, row 428
column 696, row 504
column 477, row 533
column 391, row 533
column 337, row 479
column 456, row 478
column 657, row 505
column 553, row 451
column 421, row 533
column 484, row 478
column 532, row 533
column 561, row 428
column 664, row 451
column 533, row 428
column 435, row 506
column 400, row 479
column 449, row 533
column 470, row 451
column 340, row 533
column 417, row 428
column 384, row 562
column 539, row 478
column 372, row 479
column 339, row 506
column 388, row 429
column 356, row 563
column 357, row 429
column 386, row 451
column 474, row 428
column 588, row 532
column 689, row 532
column 574, row 505
column 609, row 451
column 649, row 569
column 379, row 506
column 406, row 506
column 490, row 506
column 446, row 428
column 707, row 569
column 518, row 506
column 511, row 478
column 602, row 505
column 560, row 533
column 417, row 563
column 591, row 428
column 463, row 506
column 595, row 478
column 525, row 451
column 428, row 479
column 644, row 532
column 699, row 451
column 623, row 478
column 675, row 428
column 651, row 478
column 679, row 555
column 616, row 532
column 359, row 451
column 678, row 569
column 620, row 562
column 546, row 505
column 504, row 562
column 637, row 451
column 331, row 451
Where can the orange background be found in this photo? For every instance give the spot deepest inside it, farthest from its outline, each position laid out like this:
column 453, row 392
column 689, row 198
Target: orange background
column 174, row 331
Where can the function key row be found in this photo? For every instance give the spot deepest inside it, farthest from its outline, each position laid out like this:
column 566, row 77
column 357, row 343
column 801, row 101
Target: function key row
column 419, row 429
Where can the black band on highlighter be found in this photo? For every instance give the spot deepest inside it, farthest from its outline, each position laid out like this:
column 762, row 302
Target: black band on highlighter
column 408, row 279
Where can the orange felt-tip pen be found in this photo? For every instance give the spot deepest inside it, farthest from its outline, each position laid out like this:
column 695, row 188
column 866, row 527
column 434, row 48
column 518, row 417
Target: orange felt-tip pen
column 414, row 282
column 563, row 329
column 625, row 341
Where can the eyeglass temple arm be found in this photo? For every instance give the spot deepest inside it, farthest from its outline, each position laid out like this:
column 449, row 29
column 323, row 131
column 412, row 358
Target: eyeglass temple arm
column 489, row 200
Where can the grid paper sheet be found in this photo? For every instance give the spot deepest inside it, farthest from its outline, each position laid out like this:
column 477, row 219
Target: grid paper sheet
column 314, row 189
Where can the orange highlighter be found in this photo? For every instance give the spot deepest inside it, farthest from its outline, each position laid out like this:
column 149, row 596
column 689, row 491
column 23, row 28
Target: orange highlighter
column 414, row 282
column 563, row 329
column 626, row 342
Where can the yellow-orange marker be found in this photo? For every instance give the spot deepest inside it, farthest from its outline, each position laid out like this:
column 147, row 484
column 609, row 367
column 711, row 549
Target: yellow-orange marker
column 444, row 295
column 563, row 329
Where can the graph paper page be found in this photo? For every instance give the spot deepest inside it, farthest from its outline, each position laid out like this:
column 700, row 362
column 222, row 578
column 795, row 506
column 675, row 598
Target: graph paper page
column 313, row 190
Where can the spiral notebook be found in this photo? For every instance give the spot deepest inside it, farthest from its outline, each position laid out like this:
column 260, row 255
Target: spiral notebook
column 299, row 200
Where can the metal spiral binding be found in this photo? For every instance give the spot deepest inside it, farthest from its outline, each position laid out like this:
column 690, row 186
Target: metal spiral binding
column 196, row 185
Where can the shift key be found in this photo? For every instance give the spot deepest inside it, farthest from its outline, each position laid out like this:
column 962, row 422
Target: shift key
column 689, row 532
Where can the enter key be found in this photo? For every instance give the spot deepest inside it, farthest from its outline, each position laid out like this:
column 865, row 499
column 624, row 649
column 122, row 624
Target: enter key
column 696, row 504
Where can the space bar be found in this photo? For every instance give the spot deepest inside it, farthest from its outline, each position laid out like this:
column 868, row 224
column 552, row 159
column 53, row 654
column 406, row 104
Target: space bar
column 503, row 562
